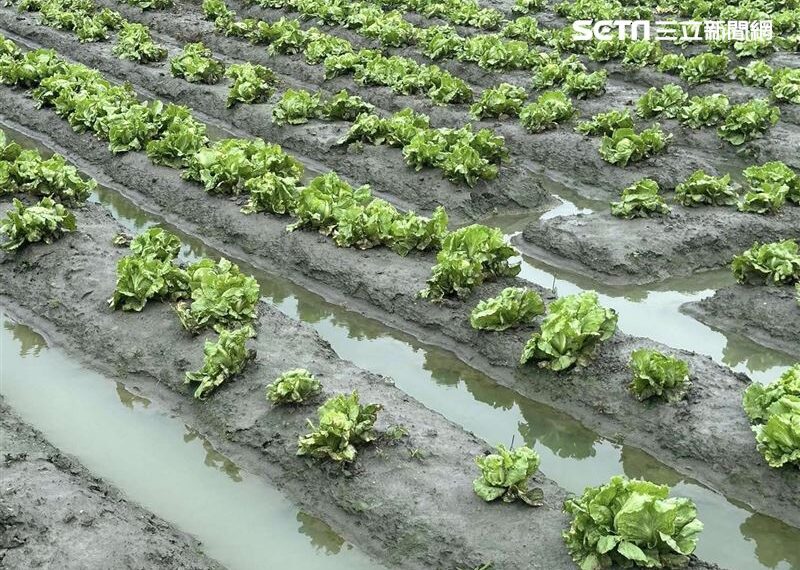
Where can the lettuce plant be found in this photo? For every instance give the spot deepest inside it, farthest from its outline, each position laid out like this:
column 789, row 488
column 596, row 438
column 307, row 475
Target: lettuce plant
column 156, row 243
column 221, row 297
column 180, row 138
column 506, row 473
column 140, row 279
column 640, row 200
column 293, row 387
column 583, row 85
column 196, row 65
column 704, row 111
column 766, row 198
column 774, row 409
column 606, row 50
column 135, row 43
column 570, row 332
column 439, row 42
column 29, row 69
column 468, row 257
column 527, row 6
column 251, row 83
column 502, row 100
column 525, row 28
column 777, row 262
column 759, row 398
column 222, row 361
column 667, row 101
column 672, row 63
column 785, row 85
column 226, row 166
column 704, row 67
column 550, row 109
column 150, row 4
column 657, row 375
column 757, row 73
column 271, row 193
column 345, row 107
column 631, row 523
column 552, row 70
column 774, row 174
column 642, row 52
column 748, row 121
column 604, row 124
column 514, row 306
column 344, row 423
column 701, row 188
column 52, row 177
column 493, row 52
column 44, row 222
column 296, row 106
column 624, row 146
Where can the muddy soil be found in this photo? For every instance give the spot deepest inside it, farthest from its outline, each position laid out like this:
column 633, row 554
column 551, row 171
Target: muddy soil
column 707, row 436
column 55, row 514
column 392, row 502
column 767, row 315
column 646, row 250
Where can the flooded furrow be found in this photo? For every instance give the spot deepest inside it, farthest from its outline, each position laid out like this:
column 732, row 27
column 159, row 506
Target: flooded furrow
column 573, row 456
column 161, row 463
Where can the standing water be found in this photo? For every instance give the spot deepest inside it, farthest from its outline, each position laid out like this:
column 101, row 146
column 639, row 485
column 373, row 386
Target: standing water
column 162, row 464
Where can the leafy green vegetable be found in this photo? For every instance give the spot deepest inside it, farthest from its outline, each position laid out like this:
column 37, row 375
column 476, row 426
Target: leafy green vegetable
column 775, row 410
column 748, row 121
column 512, row 307
column 778, row 262
column 672, row 63
column 624, row 146
column 631, row 523
column 704, row 67
column 606, row 123
column 760, row 398
column 657, row 375
column 29, row 69
column 786, row 85
column 44, row 222
column 505, row 474
column 135, row 43
column 701, row 188
column 550, row 109
column 196, row 65
column 53, row 177
column 293, row 387
column 344, row 423
column 140, row 279
column 779, row 438
column 222, row 361
column 251, row 83
column 296, row 107
column 582, row 85
column 642, row 52
column 667, row 101
column 704, row 111
column 468, row 257
column 226, row 166
column 504, row 99
column 150, row 4
column 181, row 137
column 640, row 200
column 774, row 174
column 570, row 332
column 221, row 297
column 757, row 73
column 345, row 107
column 156, row 243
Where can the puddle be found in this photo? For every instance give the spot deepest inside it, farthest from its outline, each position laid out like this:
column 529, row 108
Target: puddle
column 734, row 537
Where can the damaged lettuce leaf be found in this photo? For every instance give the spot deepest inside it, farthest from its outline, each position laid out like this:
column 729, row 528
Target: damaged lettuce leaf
column 505, row 474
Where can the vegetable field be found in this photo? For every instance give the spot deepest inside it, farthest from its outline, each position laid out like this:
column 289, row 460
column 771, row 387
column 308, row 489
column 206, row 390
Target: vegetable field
column 456, row 285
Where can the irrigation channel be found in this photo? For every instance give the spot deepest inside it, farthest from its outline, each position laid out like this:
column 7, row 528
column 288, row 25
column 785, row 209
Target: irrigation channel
column 164, row 465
